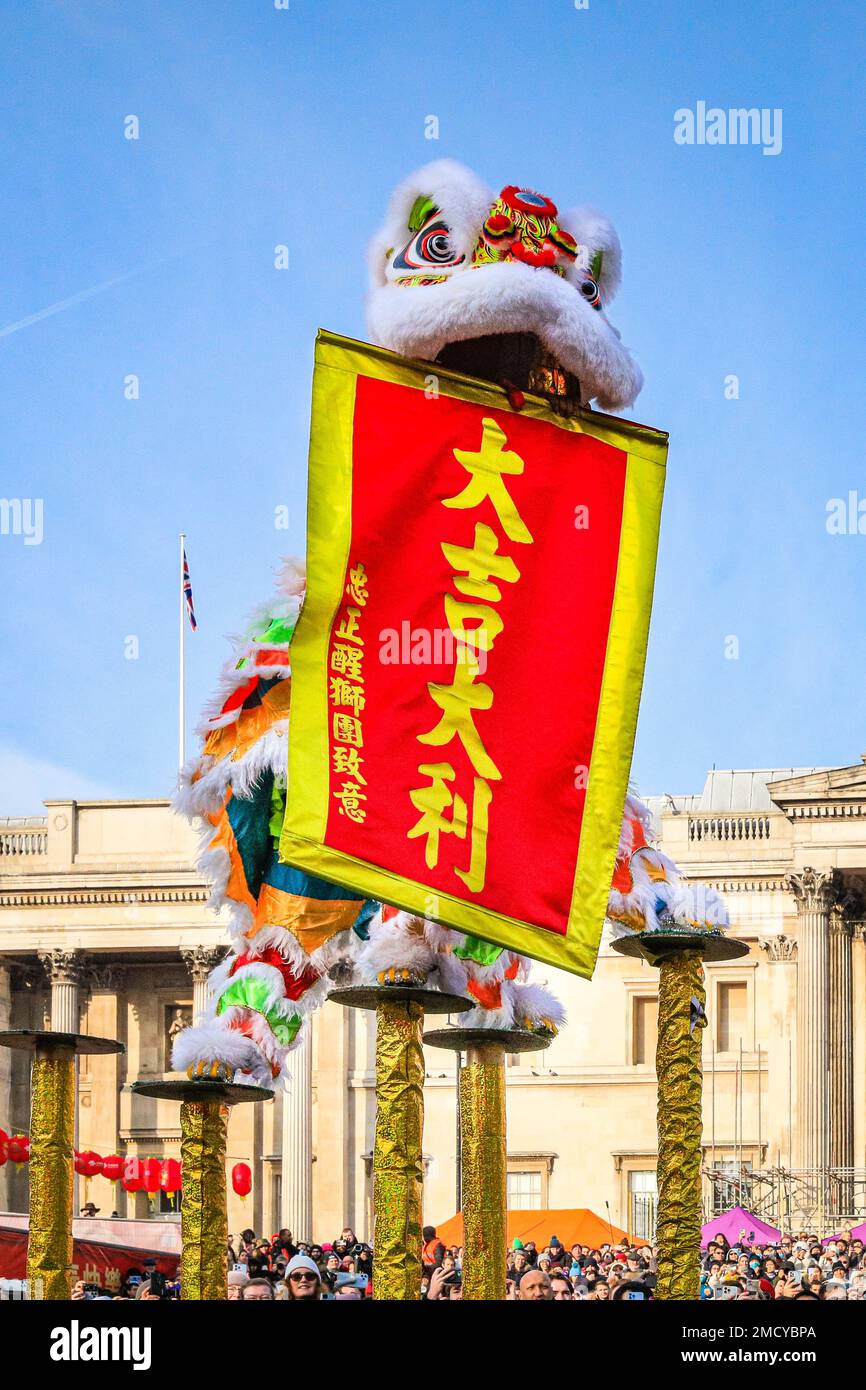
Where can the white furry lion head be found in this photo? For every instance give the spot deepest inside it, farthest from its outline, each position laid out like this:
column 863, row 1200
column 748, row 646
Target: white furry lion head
column 454, row 262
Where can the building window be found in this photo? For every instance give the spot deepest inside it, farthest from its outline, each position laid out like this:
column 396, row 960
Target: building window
column 642, row 1195
column 732, row 1015
column 644, row 1033
column 523, row 1190
column 732, row 1186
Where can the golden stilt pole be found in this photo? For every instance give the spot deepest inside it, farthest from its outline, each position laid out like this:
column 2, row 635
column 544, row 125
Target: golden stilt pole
column 52, row 1135
column 398, row 1172
column 204, row 1225
column 483, row 1160
column 398, row 1168
column 203, row 1212
column 678, row 1068
column 678, row 954
column 483, row 1149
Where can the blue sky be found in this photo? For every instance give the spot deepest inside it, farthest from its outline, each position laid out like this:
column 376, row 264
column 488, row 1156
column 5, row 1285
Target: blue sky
column 261, row 126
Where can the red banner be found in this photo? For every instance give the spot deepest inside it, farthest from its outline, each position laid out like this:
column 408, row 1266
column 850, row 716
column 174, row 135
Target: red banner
column 467, row 667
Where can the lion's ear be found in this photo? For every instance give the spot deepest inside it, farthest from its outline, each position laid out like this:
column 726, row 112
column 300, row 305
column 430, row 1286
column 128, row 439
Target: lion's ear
column 603, row 254
column 422, row 208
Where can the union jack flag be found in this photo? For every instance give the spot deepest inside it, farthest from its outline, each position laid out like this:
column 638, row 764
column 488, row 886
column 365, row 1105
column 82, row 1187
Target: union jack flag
column 187, row 592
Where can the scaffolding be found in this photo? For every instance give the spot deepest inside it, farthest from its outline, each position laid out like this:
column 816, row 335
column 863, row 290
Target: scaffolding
column 820, row 1201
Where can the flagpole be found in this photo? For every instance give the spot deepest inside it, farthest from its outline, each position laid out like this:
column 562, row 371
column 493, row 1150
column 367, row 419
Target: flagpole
column 181, row 661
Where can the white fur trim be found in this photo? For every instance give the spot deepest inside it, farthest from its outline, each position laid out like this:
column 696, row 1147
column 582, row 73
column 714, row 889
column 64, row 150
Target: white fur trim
column 534, row 1002
column 390, row 944
column 509, row 297
column 595, row 232
column 207, row 794
column 451, row 973
column 214, row 1042
column 463, row 198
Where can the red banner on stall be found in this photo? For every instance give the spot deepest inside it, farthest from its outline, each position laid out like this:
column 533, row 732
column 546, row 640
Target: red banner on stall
column 103, row 1264
column 468, row 662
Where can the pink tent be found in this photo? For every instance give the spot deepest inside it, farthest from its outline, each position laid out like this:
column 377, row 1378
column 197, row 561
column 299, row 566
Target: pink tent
column 732, row 1222
column 857, row 1233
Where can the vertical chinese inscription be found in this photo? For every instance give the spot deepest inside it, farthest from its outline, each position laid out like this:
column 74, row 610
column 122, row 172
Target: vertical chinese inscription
column 477, row 574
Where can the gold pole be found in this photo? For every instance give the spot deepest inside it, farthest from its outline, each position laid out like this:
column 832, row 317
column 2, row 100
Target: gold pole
column 204, row 1214
column 397, row 1161
column 678, row 1067
column 482, row 1117
column 52, row 1125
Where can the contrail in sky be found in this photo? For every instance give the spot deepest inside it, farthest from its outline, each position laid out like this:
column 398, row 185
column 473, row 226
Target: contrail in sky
column 82, row 295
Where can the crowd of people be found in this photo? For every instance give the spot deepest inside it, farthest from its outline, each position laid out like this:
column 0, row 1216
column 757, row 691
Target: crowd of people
column 282, row 1269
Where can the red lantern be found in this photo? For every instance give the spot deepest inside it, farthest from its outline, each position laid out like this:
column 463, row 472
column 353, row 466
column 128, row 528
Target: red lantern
column 242, row 1179
column 19, row 1149
column 4, row 1147
column 88, row 1164
column 112, row 1168
column 151, row 1173
column 132, row 1180
column 171, row 1176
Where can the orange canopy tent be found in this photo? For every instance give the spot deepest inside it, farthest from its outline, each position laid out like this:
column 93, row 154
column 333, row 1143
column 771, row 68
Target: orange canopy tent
column 579, row 1226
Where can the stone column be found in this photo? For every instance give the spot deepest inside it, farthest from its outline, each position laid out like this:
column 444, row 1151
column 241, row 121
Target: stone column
column 64, row 970
column 858, row 951
column 200, row 961
column 777, row 1100
column 815, row 893
column 297, row 1141
column 5, row 1074
column 841, row 1041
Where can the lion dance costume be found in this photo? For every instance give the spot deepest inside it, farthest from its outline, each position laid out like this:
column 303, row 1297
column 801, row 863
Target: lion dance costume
column 502, row 288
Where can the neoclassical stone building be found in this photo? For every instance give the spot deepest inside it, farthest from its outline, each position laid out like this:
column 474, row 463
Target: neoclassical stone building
column 103, row 928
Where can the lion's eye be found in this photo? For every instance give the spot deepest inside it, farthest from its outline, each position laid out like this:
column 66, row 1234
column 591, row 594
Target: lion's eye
column 430, row 246
column 590, row 291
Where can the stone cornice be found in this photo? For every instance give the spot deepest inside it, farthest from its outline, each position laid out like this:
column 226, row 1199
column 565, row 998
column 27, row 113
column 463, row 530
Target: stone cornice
column 84, row 897
column 826, row 810
column 835, row 791
column 761, row 883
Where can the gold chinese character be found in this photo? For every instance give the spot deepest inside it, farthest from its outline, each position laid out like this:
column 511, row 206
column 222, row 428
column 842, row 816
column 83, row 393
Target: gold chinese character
column 357, row 585
column 486, row 468
column 347, row 729
column 347, row 660
column 344, row 693
column 348, row 760
column 348, row 629
column 475, row 875
column 480, row 637
column 457, row 701
column 350, row 798
column 431, row 802
column 482, row 563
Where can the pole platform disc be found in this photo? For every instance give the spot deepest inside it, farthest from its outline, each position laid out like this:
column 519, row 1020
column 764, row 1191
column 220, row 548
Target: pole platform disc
column 509, row 1039
column 44, row 1040
column 657, row 946
column 432, row 1001
column 215, row 1092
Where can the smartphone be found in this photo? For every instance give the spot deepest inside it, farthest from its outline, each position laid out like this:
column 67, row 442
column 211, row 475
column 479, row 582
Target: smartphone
column 639, row 1294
